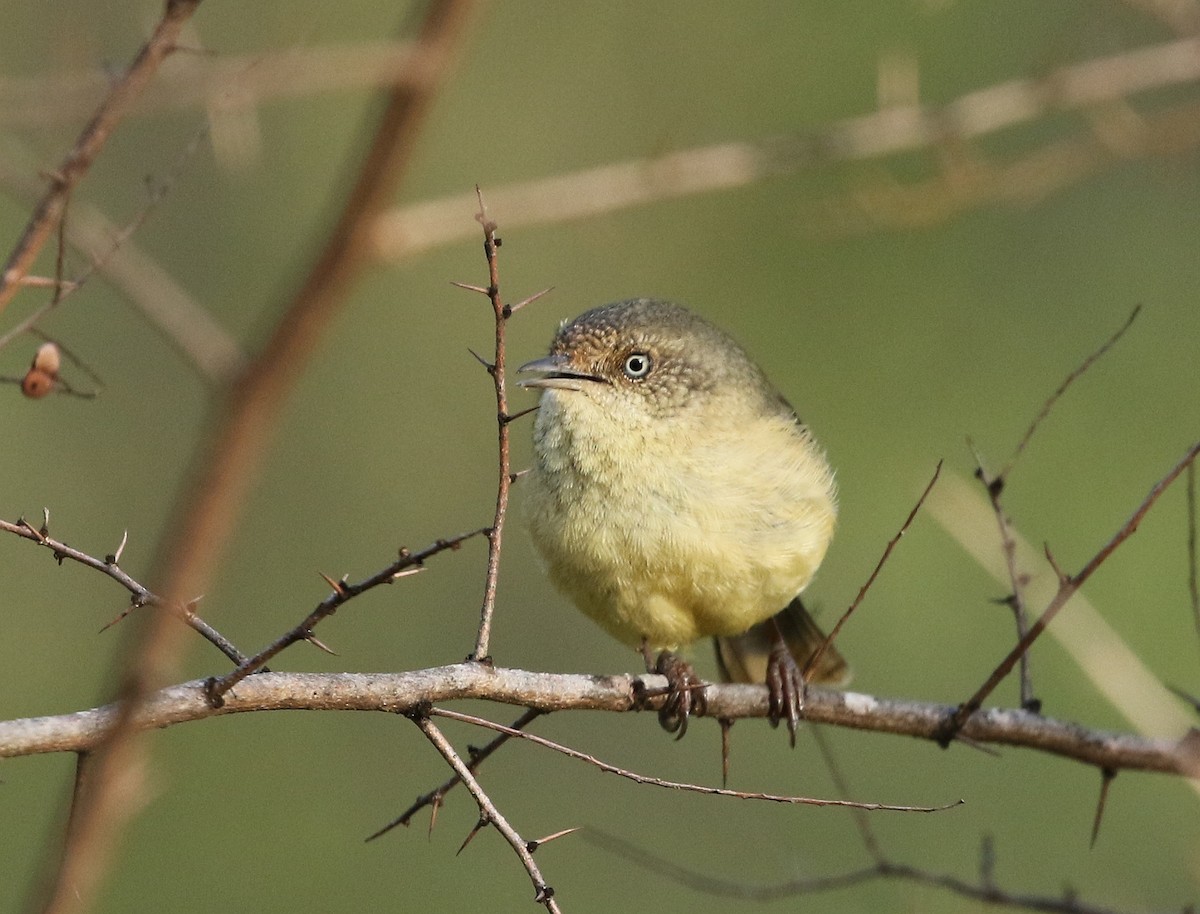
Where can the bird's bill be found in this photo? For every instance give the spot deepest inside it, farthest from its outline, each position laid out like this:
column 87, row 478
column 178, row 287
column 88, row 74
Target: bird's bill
column 556, row 372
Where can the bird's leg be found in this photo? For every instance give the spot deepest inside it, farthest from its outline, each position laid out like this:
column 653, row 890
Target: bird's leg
column 685, row 690
column 785, row 683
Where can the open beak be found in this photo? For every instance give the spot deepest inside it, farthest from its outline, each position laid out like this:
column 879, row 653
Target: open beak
column 556, row 373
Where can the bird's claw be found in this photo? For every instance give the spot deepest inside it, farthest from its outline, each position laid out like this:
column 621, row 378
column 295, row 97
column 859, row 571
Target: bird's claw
column 786, row 689
column 685, row 693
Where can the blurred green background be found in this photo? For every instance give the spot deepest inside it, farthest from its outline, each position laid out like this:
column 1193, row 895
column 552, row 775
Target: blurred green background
column 895, row 345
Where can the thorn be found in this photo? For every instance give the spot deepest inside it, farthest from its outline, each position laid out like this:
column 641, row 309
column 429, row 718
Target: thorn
column 513, row 477
column 1107, row 775
column 543, row 894
column 726, row 726
column 115, row 558
column 481, row 360
column 532, row 846
column 337, row 586
column 434, row 805
column 408, row 572
column 530, row 300
column 317, row 643
column 41, row 537
column 45, row 530
column 512, row 417
column 133, row 604
column 470, row 288
column 470, row 835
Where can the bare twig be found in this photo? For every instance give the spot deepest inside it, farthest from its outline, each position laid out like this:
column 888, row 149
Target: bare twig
column 1002, row 477
column 48, row 214
column 495, row 534
column 1068, row 585
column 862, row 591
column 408, row 563
column 995, row 487
column 488, row 813
column 433, row 799
column 677, row 785
column 140, row 595
column 1015, row 600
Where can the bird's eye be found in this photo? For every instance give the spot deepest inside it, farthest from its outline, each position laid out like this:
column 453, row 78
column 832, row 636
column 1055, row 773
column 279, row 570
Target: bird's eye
column 637, row 366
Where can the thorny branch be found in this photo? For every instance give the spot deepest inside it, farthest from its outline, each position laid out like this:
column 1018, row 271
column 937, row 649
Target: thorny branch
column 491, row 246
column 1068, row 585
column 994, row 485
column 140, row 595
column 488, row 813
column 434, row 798
column 408, row 563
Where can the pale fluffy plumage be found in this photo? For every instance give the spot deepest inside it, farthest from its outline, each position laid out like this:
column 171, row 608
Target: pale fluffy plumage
column 685, row 504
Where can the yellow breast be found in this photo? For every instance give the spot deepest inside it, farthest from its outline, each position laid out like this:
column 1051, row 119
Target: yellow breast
column 669, row 542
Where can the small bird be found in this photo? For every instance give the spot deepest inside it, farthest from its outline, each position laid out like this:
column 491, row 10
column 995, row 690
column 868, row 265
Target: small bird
column 675, row 496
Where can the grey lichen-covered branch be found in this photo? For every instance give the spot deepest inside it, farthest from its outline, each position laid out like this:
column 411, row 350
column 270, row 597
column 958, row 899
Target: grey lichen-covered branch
column 401, row 692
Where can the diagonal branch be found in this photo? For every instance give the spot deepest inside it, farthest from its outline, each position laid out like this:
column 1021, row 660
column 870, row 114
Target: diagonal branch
column 488, row 812
column 1068, row 586
column 70, row 172
column 207, row 514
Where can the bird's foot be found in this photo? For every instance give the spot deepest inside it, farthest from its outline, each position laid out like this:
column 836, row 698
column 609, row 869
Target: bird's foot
column 786, row 688
column 685, row 690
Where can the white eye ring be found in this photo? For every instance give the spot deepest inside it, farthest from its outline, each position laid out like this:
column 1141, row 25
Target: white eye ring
column 636, row 365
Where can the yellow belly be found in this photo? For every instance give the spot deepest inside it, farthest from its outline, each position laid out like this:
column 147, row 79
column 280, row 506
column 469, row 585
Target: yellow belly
column 671, row 547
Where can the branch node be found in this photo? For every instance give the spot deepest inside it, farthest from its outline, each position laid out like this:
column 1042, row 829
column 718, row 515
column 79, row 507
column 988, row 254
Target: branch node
column 213, row 697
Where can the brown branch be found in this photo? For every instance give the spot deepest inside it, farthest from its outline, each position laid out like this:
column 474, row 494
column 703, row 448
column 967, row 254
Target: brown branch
column 489, row 814
column 1015, row 601
column 677, row 785
column 1002, row 477
column 995, row 485
column 433, row 799
column 140, row 595
column 1068, row 585
column 862, row 591
column 207, row 512
column 400, row 692
column 408, row 563
column 71, row 170
column 495, row 534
